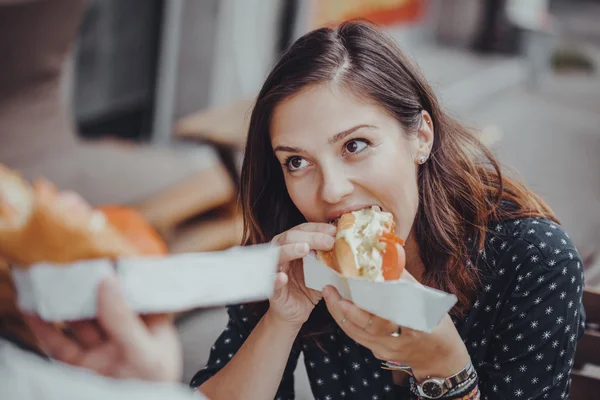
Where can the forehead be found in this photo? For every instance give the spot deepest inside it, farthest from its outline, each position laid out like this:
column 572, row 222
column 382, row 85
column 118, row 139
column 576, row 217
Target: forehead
column 319, row 111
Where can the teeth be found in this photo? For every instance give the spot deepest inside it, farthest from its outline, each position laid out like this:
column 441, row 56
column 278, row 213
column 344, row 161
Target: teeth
column 374, row 207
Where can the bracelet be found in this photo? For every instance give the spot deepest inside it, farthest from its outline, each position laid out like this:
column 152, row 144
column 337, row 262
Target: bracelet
column 471, row 382
column 394, row 366
column 473, row 395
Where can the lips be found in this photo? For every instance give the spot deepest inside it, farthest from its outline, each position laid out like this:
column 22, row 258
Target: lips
column 334, row 217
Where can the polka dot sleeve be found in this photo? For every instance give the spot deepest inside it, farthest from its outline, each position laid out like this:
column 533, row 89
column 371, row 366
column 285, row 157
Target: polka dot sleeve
column 533, row 345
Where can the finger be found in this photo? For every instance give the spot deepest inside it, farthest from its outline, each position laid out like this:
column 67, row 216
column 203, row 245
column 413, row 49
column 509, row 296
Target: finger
column 314, row 227
column 332, row 300
column 53, row 342
column 281, row 279
column 381, row 336
column 380, row 345
column 119, row 322
column 371, row 324
column 87, row 333
column 291, row 252
column 157, row 319
column 102, row 359
column 353, row 331
column 327, row 229
column 315, row 240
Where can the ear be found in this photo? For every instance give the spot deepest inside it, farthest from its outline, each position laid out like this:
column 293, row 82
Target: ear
column 425, row 136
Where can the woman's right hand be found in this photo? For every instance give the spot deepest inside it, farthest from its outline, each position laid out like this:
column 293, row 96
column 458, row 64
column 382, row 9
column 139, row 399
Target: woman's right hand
column 292, row 302
column 119, row 344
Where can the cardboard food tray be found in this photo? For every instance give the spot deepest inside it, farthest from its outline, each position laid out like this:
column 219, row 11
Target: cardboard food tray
column 406, row 303
column 168, row 284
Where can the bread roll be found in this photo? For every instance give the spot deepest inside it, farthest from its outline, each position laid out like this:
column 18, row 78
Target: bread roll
column 37, row 223
column 366, row 246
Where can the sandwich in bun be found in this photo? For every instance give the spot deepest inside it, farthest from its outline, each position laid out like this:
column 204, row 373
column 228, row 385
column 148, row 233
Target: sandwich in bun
column 38, row 223
column 366, row 246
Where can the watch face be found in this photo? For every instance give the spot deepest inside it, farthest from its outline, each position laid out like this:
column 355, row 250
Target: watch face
column 432, row 389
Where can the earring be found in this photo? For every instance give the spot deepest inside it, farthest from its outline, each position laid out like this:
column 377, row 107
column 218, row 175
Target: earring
column 422, row 159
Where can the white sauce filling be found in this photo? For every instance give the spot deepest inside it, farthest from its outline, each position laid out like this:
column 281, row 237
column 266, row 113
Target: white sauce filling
column 363, row 239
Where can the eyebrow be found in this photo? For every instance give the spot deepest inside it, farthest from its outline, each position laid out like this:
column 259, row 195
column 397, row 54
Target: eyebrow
column 334, row 139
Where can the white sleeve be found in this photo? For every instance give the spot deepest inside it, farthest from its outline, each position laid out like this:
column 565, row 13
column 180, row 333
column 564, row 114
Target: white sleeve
column 25, row 376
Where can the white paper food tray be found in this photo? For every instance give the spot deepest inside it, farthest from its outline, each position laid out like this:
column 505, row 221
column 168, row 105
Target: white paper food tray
column 174, row 283
column 408, row 304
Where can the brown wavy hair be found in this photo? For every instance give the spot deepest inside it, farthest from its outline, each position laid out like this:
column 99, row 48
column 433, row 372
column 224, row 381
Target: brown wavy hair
column 461, row 187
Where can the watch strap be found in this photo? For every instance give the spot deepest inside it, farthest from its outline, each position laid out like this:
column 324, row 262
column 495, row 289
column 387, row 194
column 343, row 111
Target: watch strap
column 457, row 382
column 461, row 376
column 454, row 384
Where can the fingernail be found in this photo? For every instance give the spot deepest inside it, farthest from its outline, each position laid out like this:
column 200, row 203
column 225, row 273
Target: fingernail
column 328, row 240
column 301, row 248
column 326, row 291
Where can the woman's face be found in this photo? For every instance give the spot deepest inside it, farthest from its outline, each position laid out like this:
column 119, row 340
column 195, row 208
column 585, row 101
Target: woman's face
column 340, row 154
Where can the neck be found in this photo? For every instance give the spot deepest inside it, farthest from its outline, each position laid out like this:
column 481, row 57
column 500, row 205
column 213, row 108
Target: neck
column 414, row 264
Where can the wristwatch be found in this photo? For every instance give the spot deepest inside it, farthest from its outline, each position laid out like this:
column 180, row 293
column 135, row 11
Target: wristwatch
column 434, row 388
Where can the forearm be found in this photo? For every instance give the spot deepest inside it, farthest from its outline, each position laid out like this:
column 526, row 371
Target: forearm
column 256, row 370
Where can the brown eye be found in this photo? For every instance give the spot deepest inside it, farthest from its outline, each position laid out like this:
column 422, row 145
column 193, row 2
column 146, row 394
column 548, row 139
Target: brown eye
column 295, row 163
column 355, row 146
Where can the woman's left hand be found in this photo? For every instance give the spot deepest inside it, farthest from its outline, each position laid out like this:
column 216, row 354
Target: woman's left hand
column 439, row 354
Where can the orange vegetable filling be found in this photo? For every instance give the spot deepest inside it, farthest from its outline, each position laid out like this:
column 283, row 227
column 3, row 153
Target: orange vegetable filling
column 394, row 257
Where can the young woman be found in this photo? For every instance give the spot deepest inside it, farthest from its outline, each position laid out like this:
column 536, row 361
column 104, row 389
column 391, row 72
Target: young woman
column 345, row 121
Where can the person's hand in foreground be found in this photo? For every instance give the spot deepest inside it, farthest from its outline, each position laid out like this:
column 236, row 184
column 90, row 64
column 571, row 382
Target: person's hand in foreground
column 119, row 344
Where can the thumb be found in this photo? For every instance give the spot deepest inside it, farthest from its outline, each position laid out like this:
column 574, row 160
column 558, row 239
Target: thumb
column 281, row 281
column 118, row 320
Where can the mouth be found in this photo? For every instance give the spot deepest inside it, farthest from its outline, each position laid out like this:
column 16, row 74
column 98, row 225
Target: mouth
column 334, row 217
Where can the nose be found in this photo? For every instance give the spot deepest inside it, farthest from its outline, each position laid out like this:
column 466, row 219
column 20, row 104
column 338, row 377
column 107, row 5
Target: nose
column 335, row 185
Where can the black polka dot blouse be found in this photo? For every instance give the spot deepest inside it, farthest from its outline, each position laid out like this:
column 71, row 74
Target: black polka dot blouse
column 521, row 331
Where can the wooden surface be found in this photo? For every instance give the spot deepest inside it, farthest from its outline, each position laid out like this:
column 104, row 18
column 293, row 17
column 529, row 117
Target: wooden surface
column 227, row 125
column 591, row 301
column 111, row 172
column 168, row 185
column 208, row 189
column 584, row 387
column 210, row 234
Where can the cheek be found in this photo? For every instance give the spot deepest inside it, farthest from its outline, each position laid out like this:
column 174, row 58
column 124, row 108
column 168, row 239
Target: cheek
column 406, row 206
column 302, row 193
column 397, row 184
